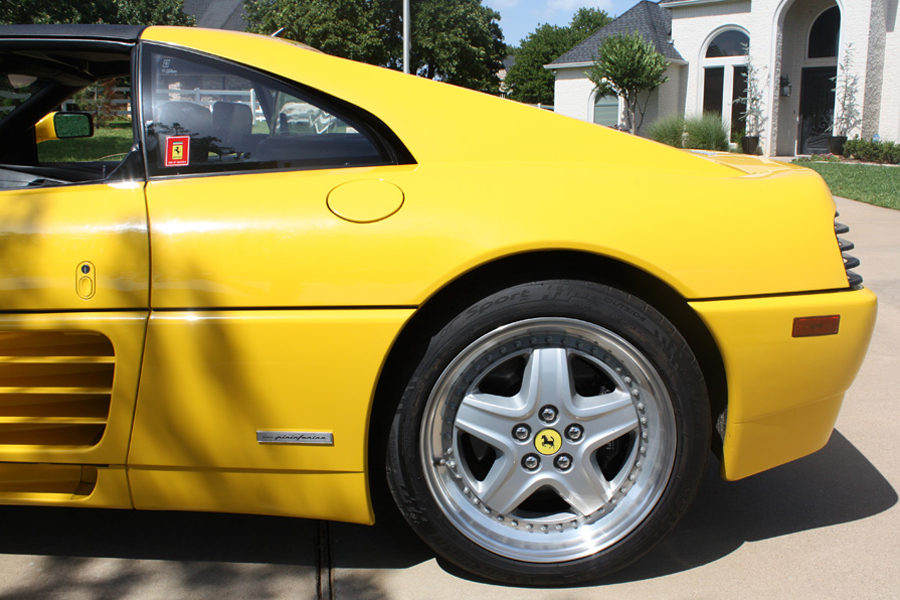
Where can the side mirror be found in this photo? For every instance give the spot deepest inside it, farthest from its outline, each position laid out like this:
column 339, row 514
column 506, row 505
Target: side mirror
column 64, row 125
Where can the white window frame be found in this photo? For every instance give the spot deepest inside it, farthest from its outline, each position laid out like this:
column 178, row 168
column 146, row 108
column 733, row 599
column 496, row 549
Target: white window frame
column 729, row 63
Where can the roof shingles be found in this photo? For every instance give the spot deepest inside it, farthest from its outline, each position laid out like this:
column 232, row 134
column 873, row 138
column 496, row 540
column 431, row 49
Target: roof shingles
column 217, row 14
column 653, row 22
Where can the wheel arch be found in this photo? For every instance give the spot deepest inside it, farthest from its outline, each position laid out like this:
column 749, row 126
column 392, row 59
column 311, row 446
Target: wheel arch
column 459, row 294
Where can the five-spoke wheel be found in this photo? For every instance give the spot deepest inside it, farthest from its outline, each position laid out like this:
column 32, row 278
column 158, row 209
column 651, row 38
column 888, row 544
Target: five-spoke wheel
column 541, row 438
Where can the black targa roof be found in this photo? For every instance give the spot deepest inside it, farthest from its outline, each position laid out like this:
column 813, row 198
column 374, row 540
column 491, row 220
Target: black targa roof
column 119, row 33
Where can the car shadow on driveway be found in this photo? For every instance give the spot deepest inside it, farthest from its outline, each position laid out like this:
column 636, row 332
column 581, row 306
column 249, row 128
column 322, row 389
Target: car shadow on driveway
column 150, row 535
column 818, row 491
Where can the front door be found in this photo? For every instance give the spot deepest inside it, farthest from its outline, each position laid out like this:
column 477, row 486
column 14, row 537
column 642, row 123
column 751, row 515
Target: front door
column 816, row 109
column 73, row 311
column 74, row 278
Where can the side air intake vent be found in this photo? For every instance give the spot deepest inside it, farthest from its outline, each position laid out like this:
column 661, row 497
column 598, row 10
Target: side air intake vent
column 55, row 387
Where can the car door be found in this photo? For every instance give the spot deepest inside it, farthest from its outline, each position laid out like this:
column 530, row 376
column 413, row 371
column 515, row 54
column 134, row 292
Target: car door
column 249, row 402
column 74, row 302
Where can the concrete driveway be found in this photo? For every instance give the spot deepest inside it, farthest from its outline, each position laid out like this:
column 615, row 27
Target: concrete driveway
column 826, row 526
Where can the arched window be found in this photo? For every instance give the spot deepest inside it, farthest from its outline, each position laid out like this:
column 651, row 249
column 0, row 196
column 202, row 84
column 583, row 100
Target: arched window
column 728, row 43
column 824, row 35
column 606, row 110
column 724, row 77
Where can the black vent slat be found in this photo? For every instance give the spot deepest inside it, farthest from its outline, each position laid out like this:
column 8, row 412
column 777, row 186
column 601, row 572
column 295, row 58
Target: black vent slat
column 850, row 262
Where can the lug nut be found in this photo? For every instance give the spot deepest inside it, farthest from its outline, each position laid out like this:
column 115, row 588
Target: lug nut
column 521, row 432
column 531, row 462
column 548, row 414
column 563, row 462
column 574, row 432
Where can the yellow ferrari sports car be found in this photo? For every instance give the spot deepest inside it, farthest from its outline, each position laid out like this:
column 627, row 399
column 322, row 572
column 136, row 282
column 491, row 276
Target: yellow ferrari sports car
column 298, row 279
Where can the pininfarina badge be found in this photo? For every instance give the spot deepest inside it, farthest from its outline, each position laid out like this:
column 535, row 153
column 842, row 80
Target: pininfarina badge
column 321, row 438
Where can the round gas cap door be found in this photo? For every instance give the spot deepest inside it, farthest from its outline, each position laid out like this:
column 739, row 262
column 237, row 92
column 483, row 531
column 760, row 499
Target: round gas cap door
column 365, row 200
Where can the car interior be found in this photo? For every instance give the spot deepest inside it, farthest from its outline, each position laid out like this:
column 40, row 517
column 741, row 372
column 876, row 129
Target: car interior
column 33, row 84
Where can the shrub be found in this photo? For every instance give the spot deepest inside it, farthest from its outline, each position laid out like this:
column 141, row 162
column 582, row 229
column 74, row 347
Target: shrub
column 895, row 155
column 823, row 158
column 870, row 151
column 669, row 131
column 706, row 133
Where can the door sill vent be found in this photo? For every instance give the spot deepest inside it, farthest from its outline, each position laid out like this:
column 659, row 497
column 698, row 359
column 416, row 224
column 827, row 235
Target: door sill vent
column 65, row 482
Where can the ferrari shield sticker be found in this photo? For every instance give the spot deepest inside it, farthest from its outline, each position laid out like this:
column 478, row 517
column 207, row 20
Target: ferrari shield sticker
column 177, row 150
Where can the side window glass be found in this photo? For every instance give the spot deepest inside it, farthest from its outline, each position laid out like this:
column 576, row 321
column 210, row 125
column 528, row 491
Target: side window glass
column 57, row 133
column 108, row 104
column 204, row 116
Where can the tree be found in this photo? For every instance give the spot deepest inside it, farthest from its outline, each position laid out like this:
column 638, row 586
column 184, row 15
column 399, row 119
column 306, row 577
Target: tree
column 40, row 11
column 127, row 12
column 528, row 80
column 627, row 66
column 586, row 21
column 152, row 12
column 457, row 41
column 354, row 29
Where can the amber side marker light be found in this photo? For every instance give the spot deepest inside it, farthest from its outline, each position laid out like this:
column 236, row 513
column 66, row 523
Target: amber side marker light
column 810, row 326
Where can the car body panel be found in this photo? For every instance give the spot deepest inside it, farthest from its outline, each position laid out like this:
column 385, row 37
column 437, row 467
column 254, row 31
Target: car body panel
column 214, row 248
column 48, row 235
column 748, row 163
column 311, row 495
column 214, row 376
column 784, row 392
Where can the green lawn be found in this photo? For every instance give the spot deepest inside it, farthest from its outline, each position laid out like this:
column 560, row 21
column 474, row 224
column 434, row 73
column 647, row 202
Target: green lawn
column 105, row 142
column 873, row 184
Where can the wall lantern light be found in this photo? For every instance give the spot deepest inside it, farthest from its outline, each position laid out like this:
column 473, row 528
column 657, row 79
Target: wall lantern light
column 785, row 86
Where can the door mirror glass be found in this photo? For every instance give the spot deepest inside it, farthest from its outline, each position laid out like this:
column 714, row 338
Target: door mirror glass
column 73, row 125
column 64, row 126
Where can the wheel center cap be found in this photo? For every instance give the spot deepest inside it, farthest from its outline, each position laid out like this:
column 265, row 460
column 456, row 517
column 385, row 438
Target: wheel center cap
column 547, row 442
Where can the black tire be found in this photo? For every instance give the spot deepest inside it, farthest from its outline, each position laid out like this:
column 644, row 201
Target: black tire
column 553, row 433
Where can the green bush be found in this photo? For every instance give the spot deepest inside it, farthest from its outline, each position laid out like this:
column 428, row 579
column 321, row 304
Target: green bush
column 869, row 151
column 706, row 133
column 669, row 131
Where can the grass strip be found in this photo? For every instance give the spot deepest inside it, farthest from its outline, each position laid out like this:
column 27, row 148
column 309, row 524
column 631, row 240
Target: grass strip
column 873, row 184
column 105, row 142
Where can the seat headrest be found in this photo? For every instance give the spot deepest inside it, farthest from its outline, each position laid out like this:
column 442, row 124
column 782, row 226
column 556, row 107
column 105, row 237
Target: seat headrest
column 233, row 117
column 184, row 118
